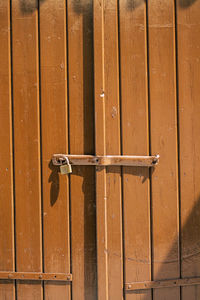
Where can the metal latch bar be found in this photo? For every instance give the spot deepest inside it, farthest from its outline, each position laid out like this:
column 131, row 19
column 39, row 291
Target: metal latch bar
column 35, row 276
column 109, row 160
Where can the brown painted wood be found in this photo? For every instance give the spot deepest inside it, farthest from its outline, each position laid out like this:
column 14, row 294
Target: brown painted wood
column 133, row 286
column 108, row 160
column 112, row 146
column 81, row 133
column 188, row 26
column 100, row 143
column 36, row 276
column 87, row 63
column 54, row 103
column 108, row 181
column 27, row 146
column 134, row 103
column 163, row 116
column 6, row 155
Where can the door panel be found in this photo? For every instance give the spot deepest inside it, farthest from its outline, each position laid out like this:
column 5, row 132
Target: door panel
column 99, row 78
column 54, row 120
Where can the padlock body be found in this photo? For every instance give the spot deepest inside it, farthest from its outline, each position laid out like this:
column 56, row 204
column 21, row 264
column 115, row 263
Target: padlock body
column 65, row 169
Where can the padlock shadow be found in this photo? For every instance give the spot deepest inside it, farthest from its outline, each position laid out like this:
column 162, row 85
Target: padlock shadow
column 142, row 172
column 55, row 183
column 83, row 208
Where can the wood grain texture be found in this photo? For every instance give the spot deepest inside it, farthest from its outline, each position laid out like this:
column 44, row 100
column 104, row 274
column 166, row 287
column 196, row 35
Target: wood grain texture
column 54, row 103
column 134, row 103
column 27, row 146
column 6, row 155
column 100, row 143
column 107, row 129
column 188, row 26
column 163, row 116
column 81, row 133
column 112, row 146
column 98, row 80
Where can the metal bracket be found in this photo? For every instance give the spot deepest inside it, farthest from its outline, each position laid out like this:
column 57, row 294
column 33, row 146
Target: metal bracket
column 109, row 160
column 134, row 286
column 35, row 276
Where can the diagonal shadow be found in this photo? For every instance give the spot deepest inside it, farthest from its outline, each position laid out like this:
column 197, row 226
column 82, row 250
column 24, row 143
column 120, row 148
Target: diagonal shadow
column 190, row 256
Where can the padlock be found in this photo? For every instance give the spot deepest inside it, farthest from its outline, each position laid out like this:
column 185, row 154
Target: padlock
column 65, row 168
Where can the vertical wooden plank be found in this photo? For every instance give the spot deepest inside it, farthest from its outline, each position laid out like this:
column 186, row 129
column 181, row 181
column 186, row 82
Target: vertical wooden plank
column 188, row 27
column 107, row 122
column 27, row 145
column 163, row 116
column 112, row 147
column 54, row 140
column 135, row 141
column 100, row 143
column 81, row 124
column 6, row 171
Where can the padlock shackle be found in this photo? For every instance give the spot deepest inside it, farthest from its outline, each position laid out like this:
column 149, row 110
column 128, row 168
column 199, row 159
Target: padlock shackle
column 60, row 159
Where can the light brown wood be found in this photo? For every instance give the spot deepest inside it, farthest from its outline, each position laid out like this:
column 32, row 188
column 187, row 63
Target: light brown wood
column 54, row 104
column 188, row 42
column 108, row 160
column 35, row 276
column 27, row 146
column 81, row 138
column 109, row 83
column 135, row 140
column 163, row 126
column 113, row 215
column 7, row 255
column 100, row 143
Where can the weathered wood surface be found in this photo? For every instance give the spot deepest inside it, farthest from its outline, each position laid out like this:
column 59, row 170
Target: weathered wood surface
column 108, row 142
column 109, row 83
column 7, row 251
column 26, row 124
column 81, row 141
column 188, row 45
column 163, row 137
column 135, row 127
column 53, row 91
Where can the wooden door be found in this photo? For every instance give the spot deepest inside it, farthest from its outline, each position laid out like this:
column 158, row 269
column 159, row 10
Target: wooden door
column 99, row 78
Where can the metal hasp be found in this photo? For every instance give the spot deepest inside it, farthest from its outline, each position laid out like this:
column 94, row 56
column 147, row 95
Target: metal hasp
column 109, row 160
column 35, row 276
